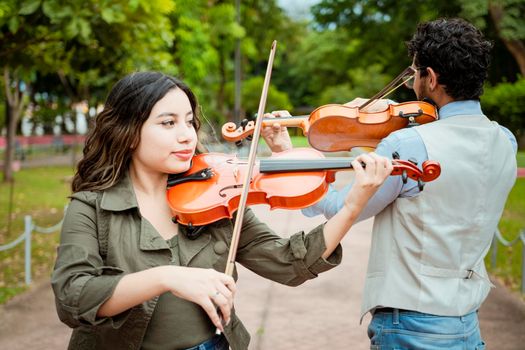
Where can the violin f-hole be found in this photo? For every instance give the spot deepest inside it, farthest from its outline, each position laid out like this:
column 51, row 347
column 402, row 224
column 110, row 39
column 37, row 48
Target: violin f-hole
column 222, row 194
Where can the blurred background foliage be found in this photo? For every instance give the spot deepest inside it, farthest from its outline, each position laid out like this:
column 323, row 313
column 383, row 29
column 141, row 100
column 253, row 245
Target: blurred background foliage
column 55, row 53
column 60, row 58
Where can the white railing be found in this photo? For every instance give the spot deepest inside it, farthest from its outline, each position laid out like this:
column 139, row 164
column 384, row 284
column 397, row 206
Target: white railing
column 29, row 228
column 494, row 252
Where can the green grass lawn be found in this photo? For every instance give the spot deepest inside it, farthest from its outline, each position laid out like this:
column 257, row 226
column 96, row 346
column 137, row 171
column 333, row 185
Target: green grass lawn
column 508, row 262
column 41, row 193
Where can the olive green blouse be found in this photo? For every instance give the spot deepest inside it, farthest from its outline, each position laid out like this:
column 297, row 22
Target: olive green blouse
column 165, row 331
column 104, row 238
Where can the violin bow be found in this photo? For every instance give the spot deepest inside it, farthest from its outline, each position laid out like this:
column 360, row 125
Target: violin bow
column 401, row 79
column 230, row 264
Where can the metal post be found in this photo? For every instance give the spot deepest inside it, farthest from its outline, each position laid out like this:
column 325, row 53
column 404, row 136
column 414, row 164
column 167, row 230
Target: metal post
column 522, row 265
column 10, row 206
column 28, row 228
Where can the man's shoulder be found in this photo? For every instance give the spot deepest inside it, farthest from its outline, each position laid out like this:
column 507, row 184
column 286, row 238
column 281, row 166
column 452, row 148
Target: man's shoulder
column 407, row 137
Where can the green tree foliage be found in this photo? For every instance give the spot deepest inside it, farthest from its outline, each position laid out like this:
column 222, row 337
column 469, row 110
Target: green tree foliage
column 505, row 102
column 87, row 44
column 205, row 38
column 251, row 94
column 381, row 26
column 318, row 63
column 507, row 17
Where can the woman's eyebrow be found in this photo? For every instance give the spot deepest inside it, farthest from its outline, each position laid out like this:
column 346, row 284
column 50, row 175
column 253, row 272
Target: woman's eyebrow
column 171, row 114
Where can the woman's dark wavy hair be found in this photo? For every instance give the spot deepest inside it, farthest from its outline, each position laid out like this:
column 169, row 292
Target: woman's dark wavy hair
column 457, row 51
column 116, row 129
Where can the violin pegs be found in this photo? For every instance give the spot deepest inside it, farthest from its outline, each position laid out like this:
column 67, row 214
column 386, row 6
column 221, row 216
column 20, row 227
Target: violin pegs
column 249, row 137
column 238, row 143
column 420, row 185
column 404, row 176
column 244, row 122
column 412, row 160
column 395, row 155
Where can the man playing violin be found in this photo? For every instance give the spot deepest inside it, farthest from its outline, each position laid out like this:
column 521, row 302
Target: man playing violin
column 426, row 277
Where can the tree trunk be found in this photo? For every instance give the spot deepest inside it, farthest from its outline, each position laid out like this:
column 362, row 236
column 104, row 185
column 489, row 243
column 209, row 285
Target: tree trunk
column 14, row 107
column 222, row 83
column 10, row 143
column 515, row 47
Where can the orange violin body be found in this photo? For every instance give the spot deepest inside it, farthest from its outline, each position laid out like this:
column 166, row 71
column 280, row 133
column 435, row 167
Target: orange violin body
column 340, row 128
column 206, row 201
column 294, row 179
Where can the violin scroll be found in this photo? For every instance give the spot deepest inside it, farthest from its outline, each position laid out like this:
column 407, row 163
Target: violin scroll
column 431, row 170
column 232, row 133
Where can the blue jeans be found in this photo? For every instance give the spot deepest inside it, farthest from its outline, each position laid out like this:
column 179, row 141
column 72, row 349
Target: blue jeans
column 395, row 329
column 218, row 342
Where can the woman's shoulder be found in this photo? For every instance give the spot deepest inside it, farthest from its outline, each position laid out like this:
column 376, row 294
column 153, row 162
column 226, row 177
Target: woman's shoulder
column 87, row 197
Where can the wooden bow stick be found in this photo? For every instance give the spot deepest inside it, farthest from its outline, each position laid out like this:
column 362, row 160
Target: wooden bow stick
column 230, row 264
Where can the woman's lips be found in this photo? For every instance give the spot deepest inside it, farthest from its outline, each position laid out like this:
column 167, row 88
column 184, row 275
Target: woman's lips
column 184, row 155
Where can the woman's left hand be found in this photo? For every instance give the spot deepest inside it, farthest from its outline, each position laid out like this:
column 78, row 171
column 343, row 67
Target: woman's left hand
column 368, row 179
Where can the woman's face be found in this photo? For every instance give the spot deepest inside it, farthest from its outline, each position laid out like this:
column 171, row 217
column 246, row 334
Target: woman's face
column 167, row 138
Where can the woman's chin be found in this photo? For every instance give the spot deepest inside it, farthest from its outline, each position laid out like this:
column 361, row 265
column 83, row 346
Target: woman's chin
column 179, row 168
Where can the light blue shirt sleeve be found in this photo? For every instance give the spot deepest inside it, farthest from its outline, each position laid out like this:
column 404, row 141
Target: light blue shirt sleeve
column 412, row 147
column 409, row 145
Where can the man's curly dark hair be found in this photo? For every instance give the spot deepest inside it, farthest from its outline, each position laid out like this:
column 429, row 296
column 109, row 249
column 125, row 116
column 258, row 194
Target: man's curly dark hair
column 457, row 51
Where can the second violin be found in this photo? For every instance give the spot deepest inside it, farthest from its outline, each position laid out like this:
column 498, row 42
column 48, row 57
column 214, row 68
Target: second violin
column 334, row 127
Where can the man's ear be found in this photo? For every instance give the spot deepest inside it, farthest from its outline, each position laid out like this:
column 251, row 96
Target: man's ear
column 432, row 79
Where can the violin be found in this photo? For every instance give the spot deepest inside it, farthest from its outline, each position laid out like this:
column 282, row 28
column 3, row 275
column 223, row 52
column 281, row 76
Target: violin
column 334, row 127
column 293, row 179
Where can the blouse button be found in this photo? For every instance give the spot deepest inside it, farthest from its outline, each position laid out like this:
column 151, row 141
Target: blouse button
column 220, row 247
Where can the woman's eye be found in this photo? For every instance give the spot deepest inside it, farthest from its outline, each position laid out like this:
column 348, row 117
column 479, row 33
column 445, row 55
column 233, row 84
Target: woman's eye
column 189, row 122
column 168, row 123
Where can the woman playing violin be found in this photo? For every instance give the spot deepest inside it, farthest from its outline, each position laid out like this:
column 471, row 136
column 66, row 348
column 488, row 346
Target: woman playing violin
column 126, row 275
column 426, row 277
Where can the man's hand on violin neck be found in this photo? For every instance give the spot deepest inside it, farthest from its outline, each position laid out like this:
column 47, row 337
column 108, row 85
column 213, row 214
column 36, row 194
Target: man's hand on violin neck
column 276, row 136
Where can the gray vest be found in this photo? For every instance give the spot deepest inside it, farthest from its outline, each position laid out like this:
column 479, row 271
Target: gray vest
column 427, row 251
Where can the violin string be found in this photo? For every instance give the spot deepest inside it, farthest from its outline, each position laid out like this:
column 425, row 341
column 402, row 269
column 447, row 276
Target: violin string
column 212, row 130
